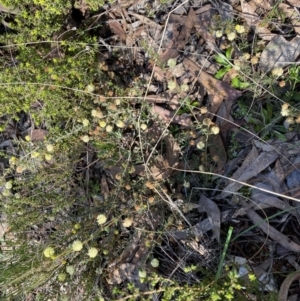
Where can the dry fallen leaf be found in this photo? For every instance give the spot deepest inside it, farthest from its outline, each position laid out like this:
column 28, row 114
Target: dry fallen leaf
column 251, row 167
column 254, row 20
column 117, row 29
column 181, row 33
column 211, row 84
column 169, row 116
column 279, row 53
column 38, row 134
column 213, row 213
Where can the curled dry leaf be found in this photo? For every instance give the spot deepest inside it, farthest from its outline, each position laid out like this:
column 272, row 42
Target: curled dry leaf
column 285, row 286
column 117, row 29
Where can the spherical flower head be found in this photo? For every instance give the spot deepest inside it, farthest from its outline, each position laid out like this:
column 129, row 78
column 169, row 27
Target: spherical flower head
column 92, row 252
column 203, row 110
column 12, row 160
column 184, row 88
column 101, row 219
column 27, row 138
column 154, row 262
column 231, row 36
column 277, row 72
column 77, row 226
column 90, row 88
column 218, row 33
column 109, row 128
column 206, row 121
column 85, row 122
column 172, row 85
column 61, row 277
column 215, row 130
column 254, row 60
column 20, row 169
column 142, row 273
column 97, row 114
column 8, row 185
column 50, row 148
column 200, row 145
column 120, row 124
column 240, row 28
column 143, row 126
column 6, row 192
column 34, row 155
column 48, row 157
column 102, row 123
column 246, row 56
column 285, row 109
column 85, row 138
column 49, row 252
column 77, row 246
column 70, row 269
column 127, row 222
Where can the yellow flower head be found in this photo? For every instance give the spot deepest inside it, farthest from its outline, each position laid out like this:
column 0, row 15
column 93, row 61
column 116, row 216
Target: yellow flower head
column 143, row 126
column 8, row 185
column 154, row 262
column 93, row 252
column 49, row 252
column 219, row 33
column 85, row 122
column 200, row 145
column 49, row 148
column 77, row 245
column 215, row 130
column 120, row 124
column 127, row 222
column 48, row 157
column 85, row 138
column 34, row 155
column 240, row 29
column 285, row 109
column 231, row 36
column 254, row 60
column 101, row 219
column 277, row 71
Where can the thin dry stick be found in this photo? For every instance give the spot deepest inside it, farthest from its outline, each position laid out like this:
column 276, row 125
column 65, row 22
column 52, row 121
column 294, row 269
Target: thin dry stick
column 237, row 181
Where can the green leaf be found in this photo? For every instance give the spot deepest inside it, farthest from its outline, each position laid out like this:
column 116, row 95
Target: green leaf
column 220, row 74
column 265, row 115
column 279, row 135
column 221, row 59
column 236, row 83
column 269, row 110
column 228, row 52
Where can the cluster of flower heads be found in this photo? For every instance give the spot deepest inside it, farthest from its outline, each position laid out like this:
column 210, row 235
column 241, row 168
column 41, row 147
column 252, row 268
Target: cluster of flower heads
column 293, row 116
column 100, row 124
column 240, row 29
column 77, row 245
